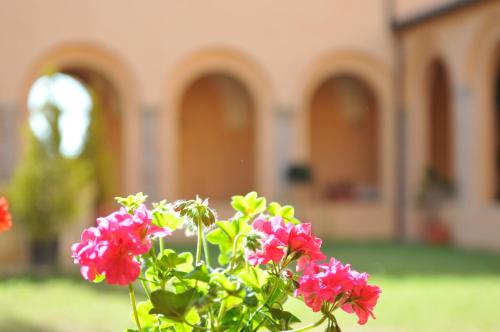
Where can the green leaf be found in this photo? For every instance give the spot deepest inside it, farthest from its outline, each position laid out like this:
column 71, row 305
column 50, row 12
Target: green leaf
column 171, row 305
column 251, row 299
column 286, row 318
column 249, row 205
column 223, row 281
column 230, row 319
column 146, row 319
column 132, row 202
column 185, row 262
column 238, row 203
column 232, row 301
column 254, row 277
column 99, row 278
column 192, row 317
column 169, row 260
column 274, row 209
column 165, row 216
column 200, row 272
column 225, row 234
column 287, row 212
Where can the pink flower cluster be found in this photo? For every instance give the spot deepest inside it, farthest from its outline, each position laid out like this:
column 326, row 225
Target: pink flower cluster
column 332, row 282
column 285, row 239
column 5, row 217
column 110, row 249
column 339, row 285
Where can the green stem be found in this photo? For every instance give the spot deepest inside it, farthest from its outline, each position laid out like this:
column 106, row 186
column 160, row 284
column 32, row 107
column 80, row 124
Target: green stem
column 235, row 244
column 200, row 243
column 271, row 294
column 160, row 240
column 310, row 326
column 222, row 309
column 134, row 306
column 195, row 327
column 206, row 249
column 145, row 287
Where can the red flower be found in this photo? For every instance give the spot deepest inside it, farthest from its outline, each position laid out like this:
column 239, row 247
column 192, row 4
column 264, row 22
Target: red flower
column 110, row 249
column 5, row 217
column 282, row 239
column 85, row 253
column 308, row 246
column 363, row 298
column 337, row 284
column 325, row 282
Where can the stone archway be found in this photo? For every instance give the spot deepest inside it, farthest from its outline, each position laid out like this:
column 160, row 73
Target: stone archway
column 344, row 140
column 217, row 138
column 440, row 121
column 249, row 76
column 112, row 85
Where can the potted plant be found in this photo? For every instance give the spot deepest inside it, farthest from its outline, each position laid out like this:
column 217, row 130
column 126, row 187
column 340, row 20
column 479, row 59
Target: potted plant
column 434, row 192
column 266, row 256
column 44, row 190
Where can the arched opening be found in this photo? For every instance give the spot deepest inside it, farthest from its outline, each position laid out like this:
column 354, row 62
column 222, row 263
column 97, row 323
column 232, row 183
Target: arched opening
column 217, row 138
column 344, row 140
column 440, row 122
column 90, row 125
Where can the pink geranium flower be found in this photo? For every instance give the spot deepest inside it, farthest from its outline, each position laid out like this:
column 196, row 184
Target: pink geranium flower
column 363, row 298
column 324, row 282
column 282, row 239
column 85, row 253
column 110, row 249
column 340, row 286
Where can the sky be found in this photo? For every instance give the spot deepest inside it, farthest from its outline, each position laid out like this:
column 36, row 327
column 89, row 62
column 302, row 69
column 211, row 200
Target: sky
column 75, row 103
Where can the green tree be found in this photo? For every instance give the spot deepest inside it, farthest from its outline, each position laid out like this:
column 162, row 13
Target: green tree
column 46, row 185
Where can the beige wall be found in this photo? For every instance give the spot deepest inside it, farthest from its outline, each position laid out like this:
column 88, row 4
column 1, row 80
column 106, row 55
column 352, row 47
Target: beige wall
column 469, row 60
column 281, row 52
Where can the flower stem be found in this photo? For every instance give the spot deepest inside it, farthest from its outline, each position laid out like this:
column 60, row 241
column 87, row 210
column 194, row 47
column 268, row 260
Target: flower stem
column 160, row 241
column 134, row 306
column 266, row 302
column 200, row 243
column 206, row 249
column 235, row 245
column 310, row 326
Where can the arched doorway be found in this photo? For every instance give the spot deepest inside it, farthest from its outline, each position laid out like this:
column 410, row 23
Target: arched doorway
column 217, row 138
column 344, row 140
column 94, row 135
column 440, row 122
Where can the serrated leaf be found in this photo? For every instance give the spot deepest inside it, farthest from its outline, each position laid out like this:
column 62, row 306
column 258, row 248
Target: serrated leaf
column 171, row 305
column 251, row 299
column 163, row 217
column 254, row 277
column 200, row 272
column 146, row 319
column 285, row 317
column 223, row 281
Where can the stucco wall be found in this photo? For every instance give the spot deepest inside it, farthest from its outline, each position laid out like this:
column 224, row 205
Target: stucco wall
column 469, row 59
column 281, row 51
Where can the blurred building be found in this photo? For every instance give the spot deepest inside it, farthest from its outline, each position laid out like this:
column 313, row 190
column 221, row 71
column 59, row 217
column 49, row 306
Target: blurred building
column 336, row 106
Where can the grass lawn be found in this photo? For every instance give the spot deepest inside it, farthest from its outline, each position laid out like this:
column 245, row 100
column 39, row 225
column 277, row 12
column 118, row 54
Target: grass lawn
column 424, row 289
